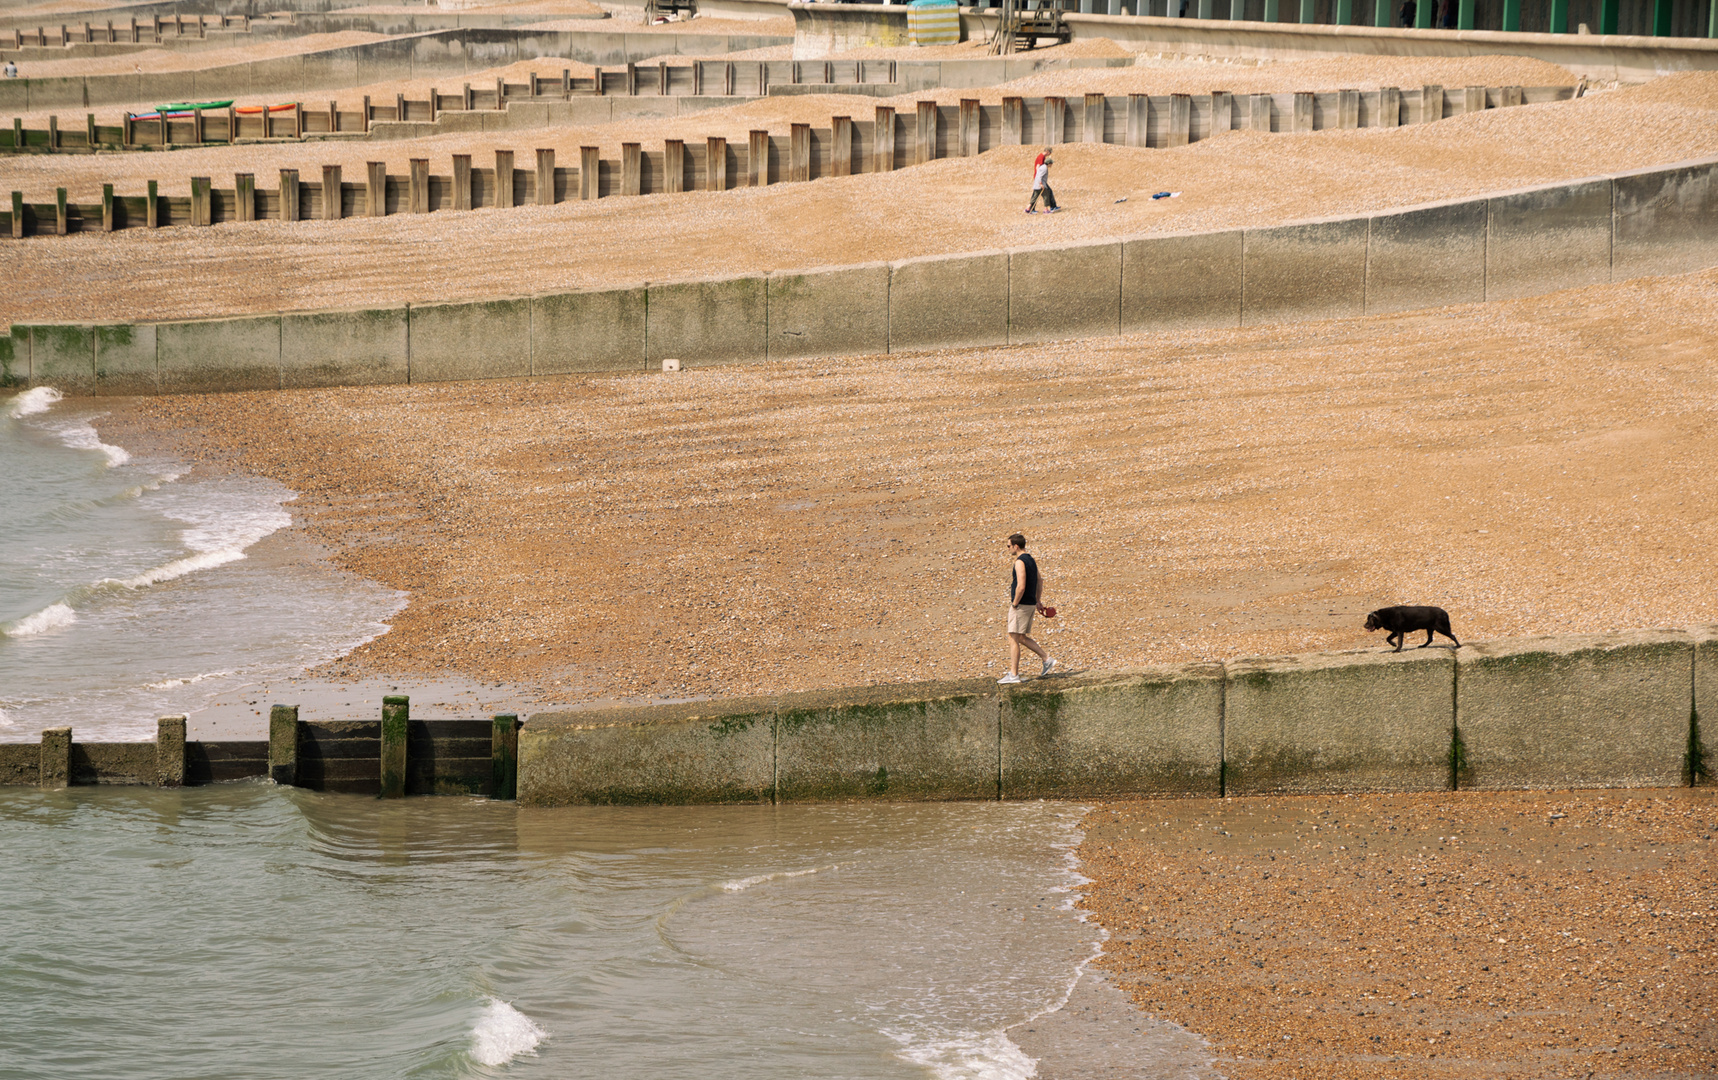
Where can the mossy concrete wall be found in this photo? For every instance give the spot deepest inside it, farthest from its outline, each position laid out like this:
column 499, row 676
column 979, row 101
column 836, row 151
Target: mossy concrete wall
column 1703, row 722
column 705, row 752
column 1155, row 730
column 1334, row 722
column 1602, row 710
column 1494, row 247
column 1610, row 710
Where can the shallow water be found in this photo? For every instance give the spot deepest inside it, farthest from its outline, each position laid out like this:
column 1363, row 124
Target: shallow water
column 128, row 589
column 249, row 930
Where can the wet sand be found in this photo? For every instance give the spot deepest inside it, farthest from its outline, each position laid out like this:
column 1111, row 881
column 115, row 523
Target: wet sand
column 1454, row 935
column 1536, row 466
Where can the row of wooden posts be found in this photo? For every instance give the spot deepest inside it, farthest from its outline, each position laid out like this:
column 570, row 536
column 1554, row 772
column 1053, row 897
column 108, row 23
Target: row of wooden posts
column 451, row 756
column 627, row 177
column 296, row 122
column 154, row 30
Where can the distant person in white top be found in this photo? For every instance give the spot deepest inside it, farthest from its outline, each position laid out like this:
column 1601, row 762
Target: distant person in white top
column 11, row 70
column 1041, row 186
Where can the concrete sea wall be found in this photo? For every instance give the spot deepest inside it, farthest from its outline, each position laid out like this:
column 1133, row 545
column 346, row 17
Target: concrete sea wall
column 1589, row 711
column 1504, row 245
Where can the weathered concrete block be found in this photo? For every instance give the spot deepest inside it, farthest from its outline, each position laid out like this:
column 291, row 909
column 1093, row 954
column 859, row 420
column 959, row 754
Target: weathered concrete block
column 15, row 357
column 1351, row 721
column 485, row 339
column 698, row 752
column 1550, row 238
column 344, row 348
column 1064, row 292
column 63, row 357
column 841, row 312
column 170, row 751
column 1181, row 282
column 1703, row 719
column 1427, row 257
column 20, row 764
column 588, row 331
column 1299, row 272
column 941, row 302
column 918, row 741
column 125, row 361
column 1666, row 220
column 1598, row 710
column 714, row 321
column 219, row 354
column 56, row 759
column 1157, row 731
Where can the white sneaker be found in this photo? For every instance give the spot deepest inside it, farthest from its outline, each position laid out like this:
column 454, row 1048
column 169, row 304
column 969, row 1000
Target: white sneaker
column 1049, row 666
column 1009, row 679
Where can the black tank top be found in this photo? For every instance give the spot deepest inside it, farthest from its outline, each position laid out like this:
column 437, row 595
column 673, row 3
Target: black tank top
column 1030, row 597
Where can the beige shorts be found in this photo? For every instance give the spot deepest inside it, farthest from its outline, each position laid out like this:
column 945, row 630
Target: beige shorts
column 1020, row 618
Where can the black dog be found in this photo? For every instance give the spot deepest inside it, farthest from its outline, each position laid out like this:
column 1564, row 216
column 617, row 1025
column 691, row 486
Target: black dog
column 1402, row 621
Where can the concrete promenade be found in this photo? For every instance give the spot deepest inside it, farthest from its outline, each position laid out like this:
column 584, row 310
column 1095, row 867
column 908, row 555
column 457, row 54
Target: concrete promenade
column 1506, row 245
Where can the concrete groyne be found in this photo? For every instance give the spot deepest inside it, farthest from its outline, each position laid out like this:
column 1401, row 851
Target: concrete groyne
column 1590, row 711
column 1500, row 246
column 1584, row 711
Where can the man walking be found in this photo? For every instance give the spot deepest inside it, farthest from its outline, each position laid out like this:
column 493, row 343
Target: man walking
column 1025, row 595
column 1041, row 186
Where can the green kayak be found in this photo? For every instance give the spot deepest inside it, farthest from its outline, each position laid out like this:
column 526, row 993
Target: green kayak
column 184, row 107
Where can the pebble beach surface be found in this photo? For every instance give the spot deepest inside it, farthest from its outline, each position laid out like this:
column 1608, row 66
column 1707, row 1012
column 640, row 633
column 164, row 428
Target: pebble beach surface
column 1242, row 179
column 1535, row 466
column 1451, row 935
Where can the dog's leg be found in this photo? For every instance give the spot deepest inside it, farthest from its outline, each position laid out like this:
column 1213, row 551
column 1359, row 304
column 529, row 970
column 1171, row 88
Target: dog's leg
column 1452, row 637
column 1428, row 639
column 1397, row 638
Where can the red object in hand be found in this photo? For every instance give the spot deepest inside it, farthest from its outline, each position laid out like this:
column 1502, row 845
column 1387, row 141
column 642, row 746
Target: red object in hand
column 1048, row 613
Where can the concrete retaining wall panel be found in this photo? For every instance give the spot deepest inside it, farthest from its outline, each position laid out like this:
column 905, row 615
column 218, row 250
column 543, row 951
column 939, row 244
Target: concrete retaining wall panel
column 344, row 348
column 1311, row 271
column 1705, row 707
column 1153, row 732
column 63, row 357
column 125, row 359
column 15, row 357
column 841, row 312
column 1187, row 282
column 1064, row 292
column 923, row 741
column 20, row 763
column 1426, row 257
column 588, row 331
column 948, row 302
column 716, row 321
column 484, row 340
column 1666, row 221
column 219, row 354
column 701, row 752
column 1357, row 721
column 1547, row 239
column 1601, row 710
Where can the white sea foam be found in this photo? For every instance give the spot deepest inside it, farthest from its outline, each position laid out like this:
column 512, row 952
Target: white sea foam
column 31, row 402
column 79, row 435
column 503, row 1033
column 742, row 884
column 168, row 684
column 218, row 534
column 973, row 1057
column 6, row 721
column 53, row 617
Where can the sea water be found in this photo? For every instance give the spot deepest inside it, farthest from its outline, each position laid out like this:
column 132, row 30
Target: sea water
column 129, row 587
column 258, row 931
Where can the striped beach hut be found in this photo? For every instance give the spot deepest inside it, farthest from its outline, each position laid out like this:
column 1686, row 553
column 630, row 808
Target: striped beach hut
column 933, row 22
